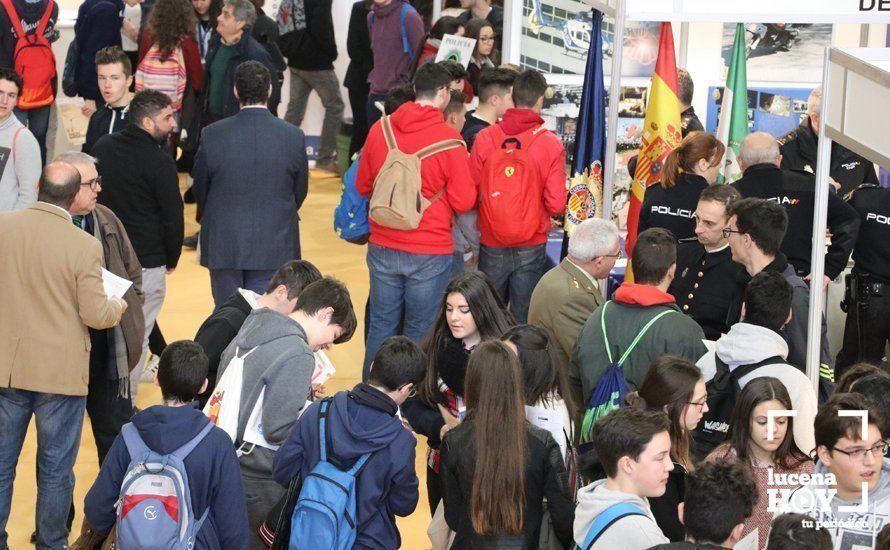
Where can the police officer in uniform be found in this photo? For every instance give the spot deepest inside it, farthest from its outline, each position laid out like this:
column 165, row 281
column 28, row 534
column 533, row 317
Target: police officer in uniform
column 794, row 190
column 798, row 147
column 707, row 282
column 867, row 301
column 689, row 121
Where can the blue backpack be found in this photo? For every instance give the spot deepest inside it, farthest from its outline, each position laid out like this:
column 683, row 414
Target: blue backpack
column 406, row 47
column 612, row 387
column 324, row 516
column 605, row 520
column 154, row 511
column 351, row 215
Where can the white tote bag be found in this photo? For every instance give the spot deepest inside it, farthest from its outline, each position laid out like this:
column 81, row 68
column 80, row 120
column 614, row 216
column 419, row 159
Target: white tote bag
column 225, row 401
column 253, row 432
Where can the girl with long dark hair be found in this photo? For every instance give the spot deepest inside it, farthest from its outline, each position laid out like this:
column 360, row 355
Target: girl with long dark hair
column 206, row 12
column 470, row 312
column 748, row 442
column 675, row 386
column 497, row 469
column 485, row 54
column 687, row 171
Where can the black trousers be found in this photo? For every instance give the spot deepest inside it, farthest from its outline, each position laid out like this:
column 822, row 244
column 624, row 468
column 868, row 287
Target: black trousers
column 874, row 324
column 358, row 101
column 433, row 489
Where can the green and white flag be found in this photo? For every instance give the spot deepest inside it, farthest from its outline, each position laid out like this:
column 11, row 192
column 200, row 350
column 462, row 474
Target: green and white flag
column 733, row 125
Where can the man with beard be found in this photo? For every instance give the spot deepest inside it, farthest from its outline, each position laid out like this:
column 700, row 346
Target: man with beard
column 707, row 280
column 141, row 186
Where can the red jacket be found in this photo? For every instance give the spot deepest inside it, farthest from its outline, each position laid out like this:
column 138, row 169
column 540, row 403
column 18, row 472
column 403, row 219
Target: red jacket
column 415, row 127
column 550, row 157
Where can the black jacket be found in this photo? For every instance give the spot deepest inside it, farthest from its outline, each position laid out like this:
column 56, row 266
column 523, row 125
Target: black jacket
column 107, row 120
column 313, row 48
column 141, row 186
column 545, row 478
column 706, row 285
column 471, row 128
column 217, row 332
column 690, row 122
column 664, row 508
column 358, row 47
column 796, row 192
column 799, row 148
column 673, row 208
column 873, row 245
column 265, row 31
column 98, row 26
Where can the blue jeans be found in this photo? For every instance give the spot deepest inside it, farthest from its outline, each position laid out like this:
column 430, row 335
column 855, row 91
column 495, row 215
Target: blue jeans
column 403, row 283
column 225, row 282
column 514, row 272
column 59, row 423
column 37, row 120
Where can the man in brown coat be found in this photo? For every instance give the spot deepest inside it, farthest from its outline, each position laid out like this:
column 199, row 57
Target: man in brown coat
column 115, row 351
column 567, row 294
column 52, row 291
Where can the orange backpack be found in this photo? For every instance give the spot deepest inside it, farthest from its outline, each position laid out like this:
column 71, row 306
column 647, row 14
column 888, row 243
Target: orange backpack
column 33, row 59
column 510, row 193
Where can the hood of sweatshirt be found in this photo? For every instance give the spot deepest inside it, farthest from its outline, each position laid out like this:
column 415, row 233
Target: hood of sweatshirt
column 746, row 344
column 362, row 421
column 517, row 121
column 382, row 11
column 265, row 325
column 594, row 499
column 642, row 295
column 412, row 118
column 165, row 429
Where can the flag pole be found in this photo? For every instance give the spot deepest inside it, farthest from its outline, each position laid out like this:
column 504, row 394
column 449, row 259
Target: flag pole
column 612, row 114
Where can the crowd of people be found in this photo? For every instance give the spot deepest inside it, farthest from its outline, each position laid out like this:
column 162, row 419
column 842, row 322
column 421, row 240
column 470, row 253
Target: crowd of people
column 673, row 413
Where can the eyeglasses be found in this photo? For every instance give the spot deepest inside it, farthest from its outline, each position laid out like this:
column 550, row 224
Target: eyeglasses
column 858, row 455
column 412, row 391
column 486, row 39
column 727, row 231
column 616, row 256
column 94, row 183
column 700, row 403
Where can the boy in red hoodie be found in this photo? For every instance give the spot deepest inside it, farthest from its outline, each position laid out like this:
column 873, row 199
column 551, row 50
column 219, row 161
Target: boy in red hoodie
column 515, row 266
column 410, row 268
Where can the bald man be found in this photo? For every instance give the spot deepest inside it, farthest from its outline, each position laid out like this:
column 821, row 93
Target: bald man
column 794, row 190
column 799, row 147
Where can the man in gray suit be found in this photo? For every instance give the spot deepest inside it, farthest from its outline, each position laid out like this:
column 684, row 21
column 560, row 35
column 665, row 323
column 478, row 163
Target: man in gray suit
column 251, row 176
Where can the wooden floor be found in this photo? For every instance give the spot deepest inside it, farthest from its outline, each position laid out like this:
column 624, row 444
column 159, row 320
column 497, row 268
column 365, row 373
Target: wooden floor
column 188, row 302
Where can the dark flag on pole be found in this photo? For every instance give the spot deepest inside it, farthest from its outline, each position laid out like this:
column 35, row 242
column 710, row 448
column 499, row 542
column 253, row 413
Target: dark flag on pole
column 585, row 198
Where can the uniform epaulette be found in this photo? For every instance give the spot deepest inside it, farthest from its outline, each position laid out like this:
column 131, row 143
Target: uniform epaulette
column 687, row 240
column 787, row 137
column 867, row 185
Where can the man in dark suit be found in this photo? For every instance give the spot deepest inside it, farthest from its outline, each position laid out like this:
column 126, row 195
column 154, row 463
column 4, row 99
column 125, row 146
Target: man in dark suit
column 251, row 177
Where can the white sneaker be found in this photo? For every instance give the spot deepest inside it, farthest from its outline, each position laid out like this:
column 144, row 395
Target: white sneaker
column 150, row 369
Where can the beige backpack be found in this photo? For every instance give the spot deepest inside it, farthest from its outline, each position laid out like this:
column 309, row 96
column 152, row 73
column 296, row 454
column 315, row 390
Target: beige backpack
column 396, row 200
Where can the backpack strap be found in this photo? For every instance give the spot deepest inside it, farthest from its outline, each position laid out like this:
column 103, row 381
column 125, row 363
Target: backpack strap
column 636, row 339
column 609, row 516
column 359, row 464
column 186, row 449
column 322, row 432
column 44, row 21
column 744, row 370
column 14, row 17
column 15, row 137
column 439, row 147
column 388, row 134
column 135, row 445
column 402, row 13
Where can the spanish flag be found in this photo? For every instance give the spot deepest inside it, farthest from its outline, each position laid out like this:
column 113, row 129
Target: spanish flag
column 661, row 133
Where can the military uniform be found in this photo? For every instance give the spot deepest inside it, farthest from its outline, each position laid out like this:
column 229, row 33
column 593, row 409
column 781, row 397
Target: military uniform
column 867, row 329
column 799, row 147
column 795, row 192
column 689, row 122
column 706, row 285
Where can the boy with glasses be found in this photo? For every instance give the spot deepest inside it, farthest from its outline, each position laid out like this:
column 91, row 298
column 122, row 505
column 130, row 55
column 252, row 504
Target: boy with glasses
column 365, row 420
column 851, row 472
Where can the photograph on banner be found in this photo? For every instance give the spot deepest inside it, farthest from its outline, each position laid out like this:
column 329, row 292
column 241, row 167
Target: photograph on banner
column 560, row 113
column 556, row 39
column 776, row 111
column 780, row 51
column 457, row 49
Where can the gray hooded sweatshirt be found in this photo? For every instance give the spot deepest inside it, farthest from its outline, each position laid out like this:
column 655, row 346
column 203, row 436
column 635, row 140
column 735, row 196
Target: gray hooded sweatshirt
column 849, row 530
column 628, row 533
column 282, row 363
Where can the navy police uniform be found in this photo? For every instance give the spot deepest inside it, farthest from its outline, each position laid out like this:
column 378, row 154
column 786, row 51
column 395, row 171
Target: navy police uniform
column 795, row 191
column 867, row 329
column 850, row 170
column 674, row 208
column 706, row 285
